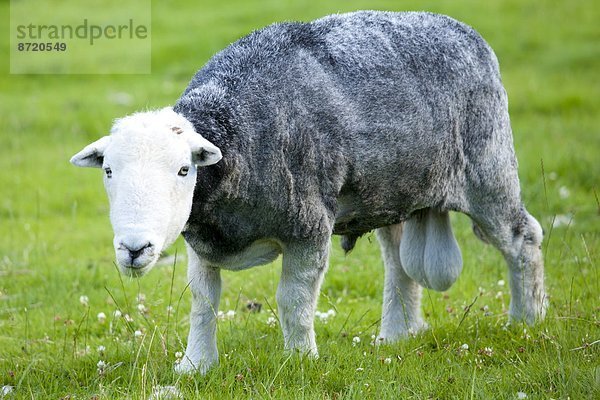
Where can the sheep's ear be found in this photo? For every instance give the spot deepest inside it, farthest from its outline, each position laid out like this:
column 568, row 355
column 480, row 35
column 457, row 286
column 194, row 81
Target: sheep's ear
column 204, row 152
column 92, row 155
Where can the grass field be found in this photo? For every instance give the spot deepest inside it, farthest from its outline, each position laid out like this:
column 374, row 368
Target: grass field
column 55, row 237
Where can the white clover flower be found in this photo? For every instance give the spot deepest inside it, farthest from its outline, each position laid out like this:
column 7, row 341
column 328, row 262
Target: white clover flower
column 464, row 347
column 84, row 300
column 165, row 393
column 100, row 349
column 355, row 340
column 488, row 351
column 142, row 308
column 141, row 297
column 101, row 367
column 137, row 333
column 564, row 192
column 321, row 316
column 271, row 321
column 178, row 355
column 324, row 316
column 128, row 318
column 521, row 395
column 388, row 360
column 373, row 341
column 501, row 282
column 225, row 315
column 170, row 309
column 117, row 314
column 360, row 369
column 6, row 390
column 101, row 317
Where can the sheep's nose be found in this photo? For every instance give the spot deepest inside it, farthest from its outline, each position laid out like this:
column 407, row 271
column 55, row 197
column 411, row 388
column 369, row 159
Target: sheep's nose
column 136, row 251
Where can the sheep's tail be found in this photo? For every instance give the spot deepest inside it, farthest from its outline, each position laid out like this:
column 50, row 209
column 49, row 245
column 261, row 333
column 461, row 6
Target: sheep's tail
column 428, row 250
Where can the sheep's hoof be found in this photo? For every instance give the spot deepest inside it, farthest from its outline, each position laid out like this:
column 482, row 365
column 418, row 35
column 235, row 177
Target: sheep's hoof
column 186, row 366
column 388, row 337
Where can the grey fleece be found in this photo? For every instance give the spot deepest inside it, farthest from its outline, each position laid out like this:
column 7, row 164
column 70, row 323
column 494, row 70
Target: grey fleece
column 346, row 124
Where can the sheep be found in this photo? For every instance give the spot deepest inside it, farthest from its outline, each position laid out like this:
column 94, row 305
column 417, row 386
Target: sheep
column 351, row 123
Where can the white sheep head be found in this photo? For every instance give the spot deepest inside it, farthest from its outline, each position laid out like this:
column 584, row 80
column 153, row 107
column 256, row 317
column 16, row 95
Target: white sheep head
column 150, row 163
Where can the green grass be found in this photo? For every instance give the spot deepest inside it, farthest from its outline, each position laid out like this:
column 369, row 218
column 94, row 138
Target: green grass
column 55, row 237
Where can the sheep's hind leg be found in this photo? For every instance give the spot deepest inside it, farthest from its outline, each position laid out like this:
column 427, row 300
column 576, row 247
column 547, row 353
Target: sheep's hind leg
column 401, row 311
column 519, row 237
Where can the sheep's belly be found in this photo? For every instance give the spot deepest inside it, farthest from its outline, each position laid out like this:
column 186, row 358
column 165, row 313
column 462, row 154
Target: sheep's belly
column 354, row 217
column 260, row 252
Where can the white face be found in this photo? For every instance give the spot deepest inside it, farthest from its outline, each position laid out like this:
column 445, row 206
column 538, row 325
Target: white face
column 150, row 163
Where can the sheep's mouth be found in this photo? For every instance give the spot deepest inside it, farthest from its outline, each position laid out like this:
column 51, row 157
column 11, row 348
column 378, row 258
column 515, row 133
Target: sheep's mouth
column 136, row 268
column 136, row 271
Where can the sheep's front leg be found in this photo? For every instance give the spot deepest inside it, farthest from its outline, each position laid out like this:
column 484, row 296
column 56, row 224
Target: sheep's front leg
column 205, row 284
column 304, row 266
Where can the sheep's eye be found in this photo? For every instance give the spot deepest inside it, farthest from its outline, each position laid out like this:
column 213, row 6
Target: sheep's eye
column 108, row 172
column 183, row 171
